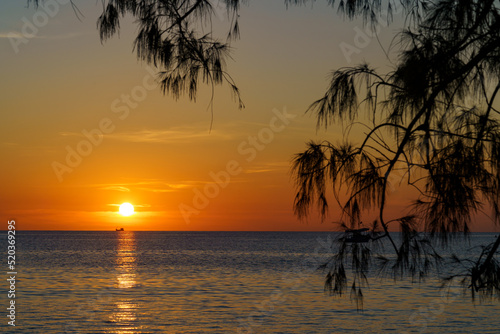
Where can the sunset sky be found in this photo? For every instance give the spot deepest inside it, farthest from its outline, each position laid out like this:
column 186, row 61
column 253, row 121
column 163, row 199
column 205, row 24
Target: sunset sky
column 62, row 86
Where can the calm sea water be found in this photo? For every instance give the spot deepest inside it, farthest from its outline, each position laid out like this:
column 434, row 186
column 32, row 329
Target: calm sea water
column 213, row 282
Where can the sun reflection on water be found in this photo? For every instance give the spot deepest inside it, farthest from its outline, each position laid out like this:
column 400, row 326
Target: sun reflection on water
column 126, row 260
column 125, row 308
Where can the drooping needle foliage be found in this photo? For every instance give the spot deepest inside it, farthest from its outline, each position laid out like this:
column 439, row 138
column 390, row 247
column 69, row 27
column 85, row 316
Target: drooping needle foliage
column 439, row 108
column 432, row 125
column 176, row 37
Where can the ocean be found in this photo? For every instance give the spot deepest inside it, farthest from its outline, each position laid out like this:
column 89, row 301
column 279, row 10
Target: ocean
column 214, row 282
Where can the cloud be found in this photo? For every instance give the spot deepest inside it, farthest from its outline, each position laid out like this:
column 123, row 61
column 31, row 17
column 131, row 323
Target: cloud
column 135, row 205
column 258, row 170
column 166, row 136
column 153, row 136
column 227, row 131
column 268, row 167
column 157, row 190
column 116, row 188
column 155, row 186
column 17, row 34
column 11, row 34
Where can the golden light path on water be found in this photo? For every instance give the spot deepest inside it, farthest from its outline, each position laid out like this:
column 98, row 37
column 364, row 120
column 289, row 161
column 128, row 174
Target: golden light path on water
column 195, row 282
column 124, row 314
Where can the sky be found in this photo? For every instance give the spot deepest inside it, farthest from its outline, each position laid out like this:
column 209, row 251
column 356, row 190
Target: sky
column 84, row 126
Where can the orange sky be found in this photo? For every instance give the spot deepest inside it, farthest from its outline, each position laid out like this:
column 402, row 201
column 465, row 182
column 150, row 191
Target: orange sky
column 84, row 128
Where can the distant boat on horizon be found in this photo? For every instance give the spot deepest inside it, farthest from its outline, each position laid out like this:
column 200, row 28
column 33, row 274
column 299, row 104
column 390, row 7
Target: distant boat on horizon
column 120, row 229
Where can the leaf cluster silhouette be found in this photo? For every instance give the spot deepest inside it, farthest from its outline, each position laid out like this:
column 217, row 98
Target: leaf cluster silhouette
column 432, row 126
column 437, row 106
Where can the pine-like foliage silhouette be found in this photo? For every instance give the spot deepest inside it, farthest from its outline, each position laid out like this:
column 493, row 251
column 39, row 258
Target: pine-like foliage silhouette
column 176, row 37
column 433, row 126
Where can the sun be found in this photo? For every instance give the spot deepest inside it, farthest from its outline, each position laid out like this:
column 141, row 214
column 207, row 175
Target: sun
column 126, row 209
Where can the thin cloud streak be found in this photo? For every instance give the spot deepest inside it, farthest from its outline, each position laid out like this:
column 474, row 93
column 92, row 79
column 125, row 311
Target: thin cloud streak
column 165, row 136
column 135, row 206
column 159, row 136
column 149, row 186
column 16, row 34
column 268, row 168
column 116, row 188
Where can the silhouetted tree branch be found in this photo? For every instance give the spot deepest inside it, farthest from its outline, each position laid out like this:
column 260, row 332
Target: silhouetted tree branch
column 170, row 37
column 437, row 105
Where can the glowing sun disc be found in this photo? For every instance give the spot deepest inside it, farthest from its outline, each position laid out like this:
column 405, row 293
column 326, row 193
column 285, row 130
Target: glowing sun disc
column 126, row 209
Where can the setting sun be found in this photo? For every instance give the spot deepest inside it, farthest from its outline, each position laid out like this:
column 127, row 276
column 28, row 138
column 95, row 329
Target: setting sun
column 126, row 209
